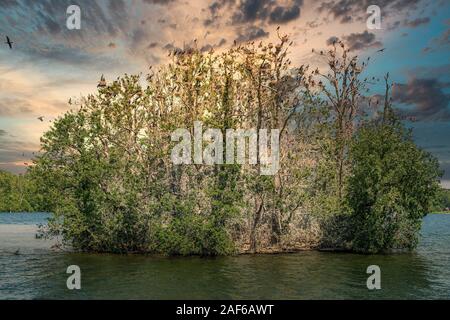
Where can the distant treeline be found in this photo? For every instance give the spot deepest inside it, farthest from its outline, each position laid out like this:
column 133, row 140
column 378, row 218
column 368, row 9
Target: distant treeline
column 19, row 194
column 442, row 203
column 350, row 175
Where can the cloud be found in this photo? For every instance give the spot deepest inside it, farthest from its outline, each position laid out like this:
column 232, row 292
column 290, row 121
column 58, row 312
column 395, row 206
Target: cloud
column 249, row 11
column 13, row 107
column 159, row 2
column 426, row 95
column 219, row 4
column 440, row 72
column 347, row 11
column 285, row 14
column 251, row 33
column 364, row 40
column 416, row 22
column 332, row 40
column 15, row 153
column 444, row 39
column 8, row 3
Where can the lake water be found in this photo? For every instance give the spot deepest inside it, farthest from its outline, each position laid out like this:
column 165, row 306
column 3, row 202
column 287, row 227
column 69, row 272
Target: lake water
column 37, row 272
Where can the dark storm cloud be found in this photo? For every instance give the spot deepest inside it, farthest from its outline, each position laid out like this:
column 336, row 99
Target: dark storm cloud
column 426, row 95
column 416, row 22
column 251, row 33
column 359, row 41
column 347, row 10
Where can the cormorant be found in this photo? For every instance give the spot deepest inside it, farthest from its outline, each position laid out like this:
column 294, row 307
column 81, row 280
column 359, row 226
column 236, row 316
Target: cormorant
column 9, row 42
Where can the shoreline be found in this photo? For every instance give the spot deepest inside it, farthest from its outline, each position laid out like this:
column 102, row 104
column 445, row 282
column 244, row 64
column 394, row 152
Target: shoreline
column 24, row 237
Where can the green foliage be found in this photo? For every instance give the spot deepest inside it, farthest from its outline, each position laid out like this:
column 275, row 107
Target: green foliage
column 18, row 194
column 391, row 188
column 442, row 201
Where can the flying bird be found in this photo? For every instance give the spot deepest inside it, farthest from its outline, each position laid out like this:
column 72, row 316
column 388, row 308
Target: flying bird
column 381, row 50
column 41, row 118
column 9, row 42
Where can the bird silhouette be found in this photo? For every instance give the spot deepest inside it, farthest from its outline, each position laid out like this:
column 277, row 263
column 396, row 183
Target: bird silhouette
column 17, row 252
column 381, row 50
column 9, row 42
column 102, row 82
column 41, row 118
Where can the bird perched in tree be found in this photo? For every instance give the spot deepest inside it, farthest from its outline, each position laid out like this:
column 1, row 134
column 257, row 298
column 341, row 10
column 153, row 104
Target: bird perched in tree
column 9, row 42
column 102, row 82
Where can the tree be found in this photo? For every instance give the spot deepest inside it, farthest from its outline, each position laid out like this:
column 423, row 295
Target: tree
column 106, row 172
column 391, row 188
column 17, row 194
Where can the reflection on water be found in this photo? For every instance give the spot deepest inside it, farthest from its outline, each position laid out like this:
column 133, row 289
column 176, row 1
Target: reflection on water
column 39, row 273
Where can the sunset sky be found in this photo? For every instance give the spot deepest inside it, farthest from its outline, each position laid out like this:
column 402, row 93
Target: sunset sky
column 50, row 64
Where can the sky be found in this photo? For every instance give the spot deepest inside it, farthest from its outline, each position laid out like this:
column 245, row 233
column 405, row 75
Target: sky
column 50, row 63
